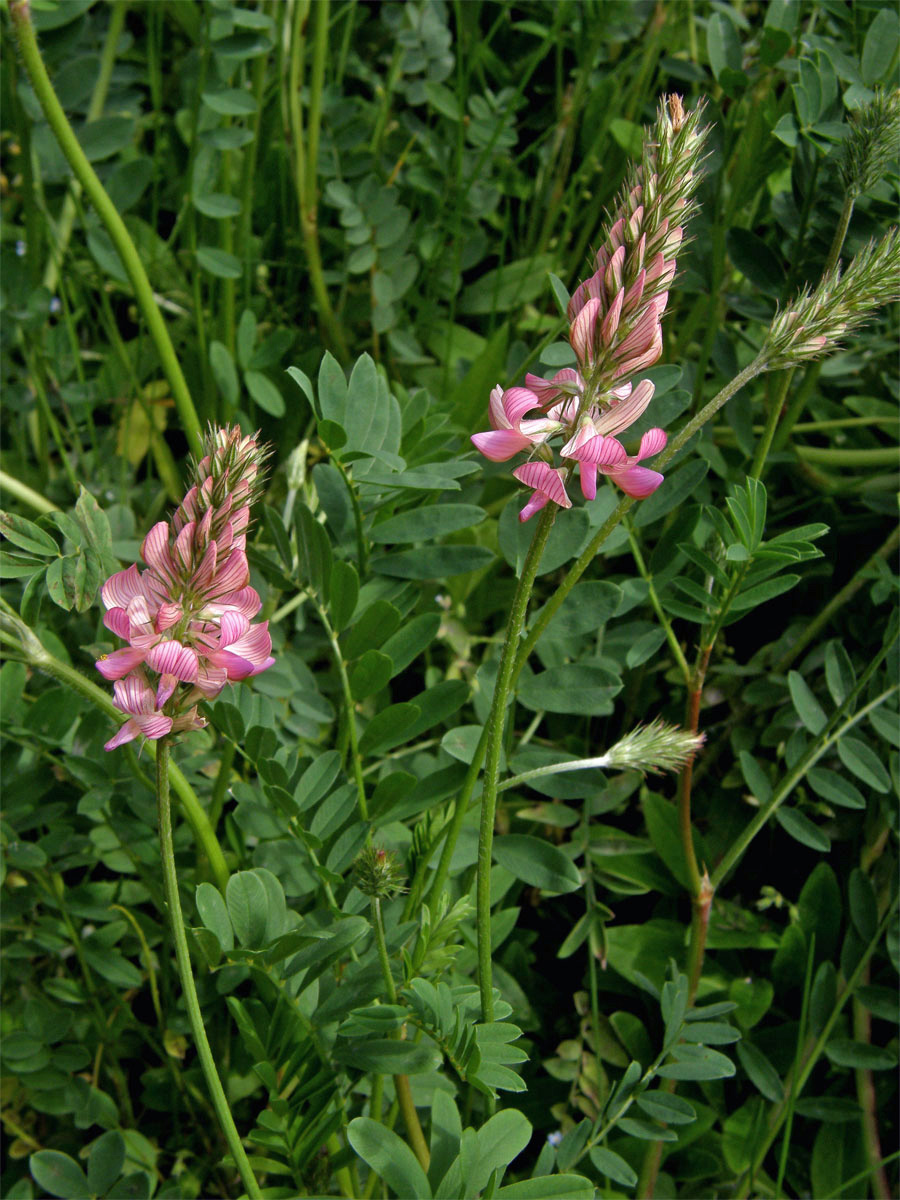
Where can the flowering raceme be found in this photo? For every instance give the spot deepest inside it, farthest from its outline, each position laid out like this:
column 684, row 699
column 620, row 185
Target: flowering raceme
column 187, row 618
column 615, row 331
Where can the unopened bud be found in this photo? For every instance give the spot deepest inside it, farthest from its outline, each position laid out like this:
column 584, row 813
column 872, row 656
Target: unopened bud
column 378, row 873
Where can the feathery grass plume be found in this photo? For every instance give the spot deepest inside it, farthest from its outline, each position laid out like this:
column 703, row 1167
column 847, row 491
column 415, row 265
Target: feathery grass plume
column 655, row 747
column 816, row 320
column 187, row 618
column 615, row 330
column 871, row 143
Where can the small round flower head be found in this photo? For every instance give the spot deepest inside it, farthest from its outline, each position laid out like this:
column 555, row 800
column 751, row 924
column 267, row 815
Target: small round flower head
column 378, row 873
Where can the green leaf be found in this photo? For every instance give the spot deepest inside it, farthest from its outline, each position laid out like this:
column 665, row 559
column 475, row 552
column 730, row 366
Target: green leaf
column 819, row 906
column 834, row 788
column 224, row 373
column 390, row 1157
column 216, row 205
column 507, row 288
column 839, row 673
column 722, row 45
column 26, row 535
column 581, row 688
column 248, row 907
column 549, row 1187
column 230, row 102
column 501, row 1139
column 370, row 674
column 59, row 1175
column 219, row 262
column 697, row 1062
column 756, row 778
column 864, row 763
column 388, row 728
column 844, row 1052
column 664, row 1107
column 536, row 862
column 264, row 393
column 314, row 551
column 762, row 592
column 802, row 829
column 614, row 1167
column 344, row 594
column 711, row 1033
column 646, row 1130
column 587, row 607
column 384, row 1056
column 863, row 907
column 446, row 1132
column 809, row 710
column 214, row 914
column 105, row 1162
column 760, row 1072
column 433, row 562
column 427, row 523
column 880, row 46
column 106, row 136
column 834, row 1110
column 371, row 628
column 409, row 641
column 756, row 262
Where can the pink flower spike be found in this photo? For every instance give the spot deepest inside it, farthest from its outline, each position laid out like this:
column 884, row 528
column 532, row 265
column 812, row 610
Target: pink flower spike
column 548, row 484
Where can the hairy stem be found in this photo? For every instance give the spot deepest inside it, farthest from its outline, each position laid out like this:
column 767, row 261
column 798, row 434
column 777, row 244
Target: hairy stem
column 183, row 959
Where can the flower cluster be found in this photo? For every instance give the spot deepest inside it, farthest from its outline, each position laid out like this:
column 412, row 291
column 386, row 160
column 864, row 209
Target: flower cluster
column 187, row 618
column 817, row 319
column 615, row 331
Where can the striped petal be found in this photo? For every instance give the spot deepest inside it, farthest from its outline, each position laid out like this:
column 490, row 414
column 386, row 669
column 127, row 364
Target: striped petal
column 122, row 587
column 155, row 550
column 544, row 479
column 638, row 482
column 120, row 662
column 625, row 412
column 581, row 333
column 500, row 444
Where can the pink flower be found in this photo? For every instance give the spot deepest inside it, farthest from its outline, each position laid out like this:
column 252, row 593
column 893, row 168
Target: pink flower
column 186, row 618
column 595, row 452
column 510, row 433
column 548, row 484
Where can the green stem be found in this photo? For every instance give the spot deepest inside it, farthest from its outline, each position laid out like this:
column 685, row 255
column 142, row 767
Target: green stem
column 674, row 644
column 43, row 660
column 775, row 411
column 306, row 152
column 495, row 726
column 95, row 110
column 27, row 495
column 84, row 172
column 847, row 592
column 736, row 850
column 401, row 1082
column 183, row 959
column 349, row 709
column 836, row 456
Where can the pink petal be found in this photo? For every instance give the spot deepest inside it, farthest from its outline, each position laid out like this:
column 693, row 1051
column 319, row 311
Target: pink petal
column 517, row 401
column 120, row 662
column 638, row 482
column 634, row 293
column 122, row 587
column 588, row 473
column 155, row 550
column 614, row 272
column 496, row 411
column 640, row 362
column 184, row 546
column 154, row 726
column 232, row 574
column 116, row 621
column 581, row 334
column 625, row 412
column 535, row 504
column 500, row 444
column 652, row 442
column 233, row 626
column 127, row 733
column 167, row 685
column 171, row 658
column 544, row 479
column 169, row 614
column 611, row 321
column 603, row 452
column 547, row 390
column 641, row 335
column 133, row 695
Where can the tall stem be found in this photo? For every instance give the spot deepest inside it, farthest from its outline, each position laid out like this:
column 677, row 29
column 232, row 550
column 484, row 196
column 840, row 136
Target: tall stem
column 183, row 959
column 401, row 1082
column 106, row 210
column 496, row 723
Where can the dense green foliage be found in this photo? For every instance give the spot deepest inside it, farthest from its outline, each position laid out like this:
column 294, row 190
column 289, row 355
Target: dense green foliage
column 356, row 219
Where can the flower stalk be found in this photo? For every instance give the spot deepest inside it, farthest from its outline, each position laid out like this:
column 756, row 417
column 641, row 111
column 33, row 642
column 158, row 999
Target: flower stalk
column 183, row 959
